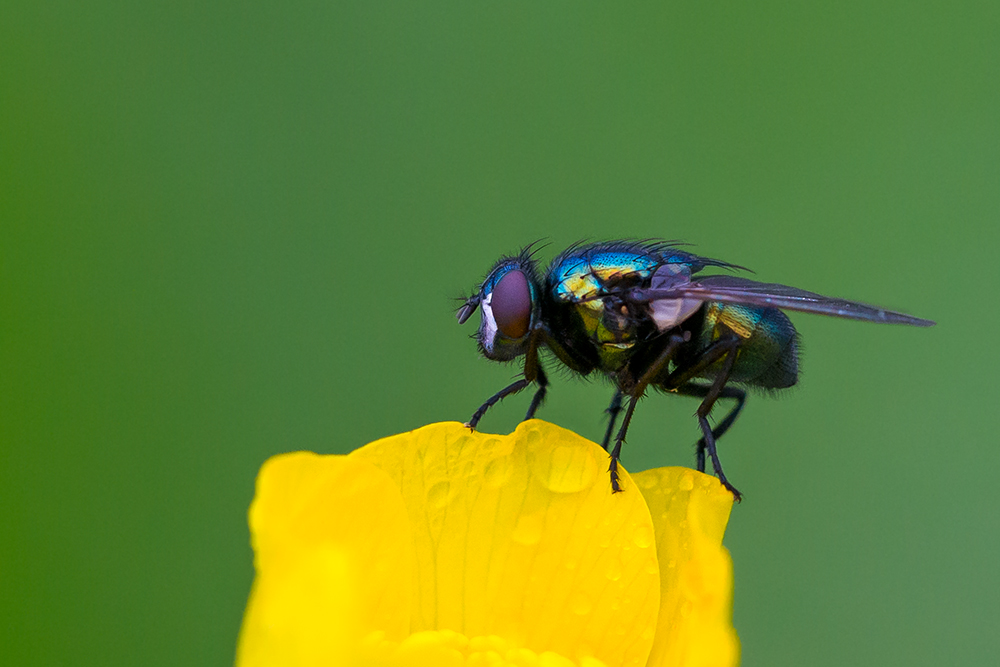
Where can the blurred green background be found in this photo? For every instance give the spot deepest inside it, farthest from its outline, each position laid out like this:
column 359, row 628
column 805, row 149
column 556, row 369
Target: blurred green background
column 229, row 230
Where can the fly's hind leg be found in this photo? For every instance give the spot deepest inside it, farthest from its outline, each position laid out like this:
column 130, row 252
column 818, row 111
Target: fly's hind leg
column 701, row 391
column 725, row 350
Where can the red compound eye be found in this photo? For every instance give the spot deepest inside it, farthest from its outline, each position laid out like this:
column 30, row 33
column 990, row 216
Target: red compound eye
column 511, row 304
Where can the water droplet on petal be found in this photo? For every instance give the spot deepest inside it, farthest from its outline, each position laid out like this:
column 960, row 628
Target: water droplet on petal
column 642, row 536
column 687, row 482
column 614, row 570
column 646, row 481
column 437, row 495
column 564, row 468
column 528, row 530
column 580, row 604
column 497, row 472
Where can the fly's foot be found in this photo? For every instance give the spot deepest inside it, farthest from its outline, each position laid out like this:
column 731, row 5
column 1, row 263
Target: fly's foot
column 616, row 487
column 474, row 420
column 737, row 496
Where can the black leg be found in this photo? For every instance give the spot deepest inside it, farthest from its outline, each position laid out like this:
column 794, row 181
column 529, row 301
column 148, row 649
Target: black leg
column 532, row 372
column 496, row 398
column 725, row 349
column 543, row 387
column 635, row 394
column 711, row 354
column 613, row 410
column 616, row 452
column 701, row 391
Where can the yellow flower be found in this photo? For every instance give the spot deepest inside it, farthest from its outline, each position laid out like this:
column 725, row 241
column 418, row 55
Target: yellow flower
column 446, row 547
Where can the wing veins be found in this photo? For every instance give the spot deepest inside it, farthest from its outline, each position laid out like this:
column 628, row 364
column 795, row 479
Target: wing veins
column 737, row 290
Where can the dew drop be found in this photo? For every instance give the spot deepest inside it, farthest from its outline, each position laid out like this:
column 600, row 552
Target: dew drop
column 563, row 468
column 687, row 482
column 580, row 604
column 528, row 530
column 497, row 472
column 642, row 536
column 614, row 571
column 646, row 481
column 437, row 495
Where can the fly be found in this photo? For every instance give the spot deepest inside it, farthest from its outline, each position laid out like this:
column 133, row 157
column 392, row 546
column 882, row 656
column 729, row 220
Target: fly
column 639, row 313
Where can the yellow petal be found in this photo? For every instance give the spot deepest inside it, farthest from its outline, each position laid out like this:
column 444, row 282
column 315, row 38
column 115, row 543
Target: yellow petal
column 333, row 556
column 690, row 511
column 519, row 537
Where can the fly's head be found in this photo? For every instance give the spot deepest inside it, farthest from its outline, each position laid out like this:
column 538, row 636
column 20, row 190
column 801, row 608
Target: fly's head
column 509, row 301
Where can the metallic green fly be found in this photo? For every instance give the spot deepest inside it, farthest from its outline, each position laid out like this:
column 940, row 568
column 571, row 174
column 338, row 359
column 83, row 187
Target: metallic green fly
column 637, row 312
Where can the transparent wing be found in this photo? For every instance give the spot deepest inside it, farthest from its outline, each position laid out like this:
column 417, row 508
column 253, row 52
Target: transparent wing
column 732, row 289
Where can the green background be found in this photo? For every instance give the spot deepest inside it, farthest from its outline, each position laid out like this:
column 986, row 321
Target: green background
column 229, row 230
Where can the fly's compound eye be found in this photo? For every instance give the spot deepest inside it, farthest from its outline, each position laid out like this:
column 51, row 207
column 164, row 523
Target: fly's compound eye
column 511, row 304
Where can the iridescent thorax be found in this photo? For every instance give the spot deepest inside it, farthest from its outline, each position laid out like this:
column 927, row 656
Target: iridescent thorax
column 588, row 283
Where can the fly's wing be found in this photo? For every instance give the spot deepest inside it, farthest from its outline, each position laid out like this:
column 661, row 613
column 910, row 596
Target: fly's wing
column 731, row 289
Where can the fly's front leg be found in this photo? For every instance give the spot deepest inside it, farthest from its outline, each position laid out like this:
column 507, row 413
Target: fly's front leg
column 496, row 398
column 532, row 373
column 536, row 401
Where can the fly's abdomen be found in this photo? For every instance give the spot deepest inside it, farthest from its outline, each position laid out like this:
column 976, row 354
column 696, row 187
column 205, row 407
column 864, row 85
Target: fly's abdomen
column 768, row 356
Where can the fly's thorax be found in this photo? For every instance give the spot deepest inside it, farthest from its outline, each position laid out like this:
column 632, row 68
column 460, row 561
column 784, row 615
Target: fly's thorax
column 591, row 272
column 607, row 321
column 591, row 283
column 591, row 286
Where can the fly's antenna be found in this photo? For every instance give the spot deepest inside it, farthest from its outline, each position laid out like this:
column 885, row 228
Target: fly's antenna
column 466, row 310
